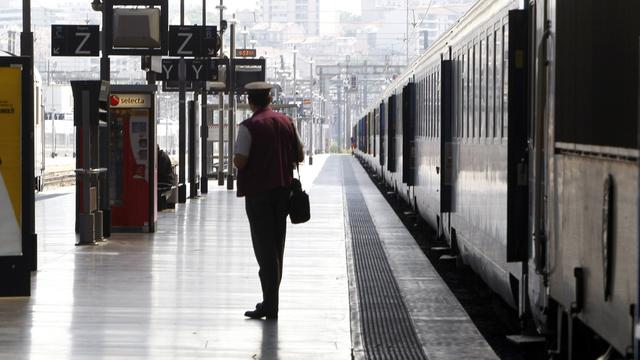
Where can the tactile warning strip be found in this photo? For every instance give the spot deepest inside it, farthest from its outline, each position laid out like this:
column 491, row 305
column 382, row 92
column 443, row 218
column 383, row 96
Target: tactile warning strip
column 386, row 327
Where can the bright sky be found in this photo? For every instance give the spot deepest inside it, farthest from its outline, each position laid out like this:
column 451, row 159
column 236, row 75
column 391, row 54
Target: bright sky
column 329, row 10
column 326, row 6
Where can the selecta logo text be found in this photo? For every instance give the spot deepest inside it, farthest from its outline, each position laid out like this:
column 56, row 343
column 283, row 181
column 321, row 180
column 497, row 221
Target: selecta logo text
column 116, row 100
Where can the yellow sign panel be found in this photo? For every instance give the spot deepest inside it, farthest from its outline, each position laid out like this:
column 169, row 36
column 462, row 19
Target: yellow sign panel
column 10, row 161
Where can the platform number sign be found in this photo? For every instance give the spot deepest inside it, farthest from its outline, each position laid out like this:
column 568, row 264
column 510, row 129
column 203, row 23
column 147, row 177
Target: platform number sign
column 193, row 41
column 75, row 40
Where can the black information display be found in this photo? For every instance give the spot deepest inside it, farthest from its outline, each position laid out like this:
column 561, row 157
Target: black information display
column 75, row 40
column 248, row 70
column 193, row 41
column 195, row 69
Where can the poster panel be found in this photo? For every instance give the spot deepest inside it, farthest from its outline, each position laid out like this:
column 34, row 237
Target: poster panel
column 10, row 161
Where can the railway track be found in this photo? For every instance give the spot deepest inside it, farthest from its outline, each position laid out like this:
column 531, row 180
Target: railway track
column 59, row 178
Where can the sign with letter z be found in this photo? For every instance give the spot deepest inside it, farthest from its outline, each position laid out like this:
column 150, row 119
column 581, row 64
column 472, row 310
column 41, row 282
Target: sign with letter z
column 193, row 41
column 75, row 40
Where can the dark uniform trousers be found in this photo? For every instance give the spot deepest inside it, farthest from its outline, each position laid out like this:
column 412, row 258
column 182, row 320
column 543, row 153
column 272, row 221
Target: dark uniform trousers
column 267, row 213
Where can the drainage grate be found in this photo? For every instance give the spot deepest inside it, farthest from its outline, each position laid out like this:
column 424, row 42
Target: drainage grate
column 387, row 330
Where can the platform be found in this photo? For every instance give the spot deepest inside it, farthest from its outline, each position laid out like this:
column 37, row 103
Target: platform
column 181, row 293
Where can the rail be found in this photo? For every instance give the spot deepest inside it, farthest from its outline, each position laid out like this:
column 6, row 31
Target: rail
column 59, row 178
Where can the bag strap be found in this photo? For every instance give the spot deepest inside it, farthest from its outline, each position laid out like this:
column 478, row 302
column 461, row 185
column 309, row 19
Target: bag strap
column 295, row 147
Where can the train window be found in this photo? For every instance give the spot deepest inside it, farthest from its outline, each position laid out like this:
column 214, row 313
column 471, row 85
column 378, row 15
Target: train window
column 417, row 114
column 482, row 88
column 431, row 101
column 419, row 110
column 492, row 85
column 433, row 105
column 456, row 92
column 425, row 98
column 505, row 80
column 490, row 77
column 436, row 92
column 499, row 75
column 467, row 105
column 429, row 120
column 476, row 93
column 463, row 93
column 428, row 108
column 438, row 103
column 423, row 107
column 488, row 87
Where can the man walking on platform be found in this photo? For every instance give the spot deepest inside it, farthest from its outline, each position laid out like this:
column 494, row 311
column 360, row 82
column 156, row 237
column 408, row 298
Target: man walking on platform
column 266, row 150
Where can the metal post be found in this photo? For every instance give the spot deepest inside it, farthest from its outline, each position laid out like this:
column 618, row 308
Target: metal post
column 322, row 102
column 347, row 121
column 105, row 153
column 87, row 227
column 28, row 222
column 244, row 35
column 204, row 126
column 221, row 112
column 232, row 105
column 311, row 119
column 295, row 88
column 339, row 134
column 193, row 125
column 182, row 124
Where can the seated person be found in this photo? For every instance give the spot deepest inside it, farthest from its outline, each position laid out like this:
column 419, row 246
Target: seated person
column 166, row 175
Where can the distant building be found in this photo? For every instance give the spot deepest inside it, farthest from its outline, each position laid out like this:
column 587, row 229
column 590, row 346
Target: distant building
column 305, row 13
column 384, row 24
column 276, row 34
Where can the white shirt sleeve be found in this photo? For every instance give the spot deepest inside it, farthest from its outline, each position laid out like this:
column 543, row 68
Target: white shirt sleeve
column 243, row 142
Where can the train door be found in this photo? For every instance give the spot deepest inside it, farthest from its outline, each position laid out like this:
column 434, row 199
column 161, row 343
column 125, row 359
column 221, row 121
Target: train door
column 408, row 134
column 383, row 135
column 391, row 134
column 133, row 175
column 446, row 136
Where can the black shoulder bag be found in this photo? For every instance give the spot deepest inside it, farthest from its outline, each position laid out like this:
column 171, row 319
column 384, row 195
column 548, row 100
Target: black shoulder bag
column 299, row 209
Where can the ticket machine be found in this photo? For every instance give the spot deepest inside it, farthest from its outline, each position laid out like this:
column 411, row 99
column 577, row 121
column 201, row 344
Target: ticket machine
column 133, row 171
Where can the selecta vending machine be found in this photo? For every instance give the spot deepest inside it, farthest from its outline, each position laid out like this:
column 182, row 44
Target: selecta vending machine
column 133, row 171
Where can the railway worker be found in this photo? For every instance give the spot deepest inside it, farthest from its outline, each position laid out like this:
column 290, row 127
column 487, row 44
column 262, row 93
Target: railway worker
column 267, row 148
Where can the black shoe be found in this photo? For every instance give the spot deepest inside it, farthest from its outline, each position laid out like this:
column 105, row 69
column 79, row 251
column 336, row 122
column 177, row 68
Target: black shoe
column 259, row 313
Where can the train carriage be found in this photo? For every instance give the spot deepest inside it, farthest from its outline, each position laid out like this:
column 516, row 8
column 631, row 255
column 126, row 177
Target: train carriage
column 514, row 137
column 588, row 161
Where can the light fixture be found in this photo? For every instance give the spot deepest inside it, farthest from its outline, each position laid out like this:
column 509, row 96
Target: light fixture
column 96, row 5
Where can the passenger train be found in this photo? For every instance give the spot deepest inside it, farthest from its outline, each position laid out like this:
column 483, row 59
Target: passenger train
column 515, row 137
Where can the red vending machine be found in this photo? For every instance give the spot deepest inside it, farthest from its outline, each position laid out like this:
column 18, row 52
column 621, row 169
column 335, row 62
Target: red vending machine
column 133, row 171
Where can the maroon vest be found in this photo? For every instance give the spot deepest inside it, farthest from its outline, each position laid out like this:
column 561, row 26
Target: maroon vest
column 271, row 157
